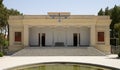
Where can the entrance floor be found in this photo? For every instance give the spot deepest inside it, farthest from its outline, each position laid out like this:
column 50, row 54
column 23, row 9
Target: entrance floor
column 59, row 51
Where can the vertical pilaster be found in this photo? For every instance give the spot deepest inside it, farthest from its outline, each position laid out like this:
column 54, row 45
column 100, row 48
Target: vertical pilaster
column 107, row 36
column 92, row 36
column 11, row 35
column 53, row 37
column 78, row 39
column 26, row 35
column 66, row 36
column 40, row 39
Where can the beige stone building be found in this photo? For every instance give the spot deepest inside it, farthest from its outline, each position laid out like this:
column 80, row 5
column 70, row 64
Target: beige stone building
column 59, row 29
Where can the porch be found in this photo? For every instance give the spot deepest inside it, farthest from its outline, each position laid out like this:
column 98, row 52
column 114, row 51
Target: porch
column 59, row 36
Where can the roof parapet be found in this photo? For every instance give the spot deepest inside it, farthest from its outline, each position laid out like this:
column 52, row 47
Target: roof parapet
column 58, row 13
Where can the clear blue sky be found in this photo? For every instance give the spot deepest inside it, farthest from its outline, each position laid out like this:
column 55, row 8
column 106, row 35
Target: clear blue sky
column 82, row 7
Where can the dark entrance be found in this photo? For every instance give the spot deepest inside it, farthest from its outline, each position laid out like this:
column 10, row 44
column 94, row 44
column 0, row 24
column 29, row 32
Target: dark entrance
column 43, row 39
column 79, row 39
column 75, row 39
column 39, row 39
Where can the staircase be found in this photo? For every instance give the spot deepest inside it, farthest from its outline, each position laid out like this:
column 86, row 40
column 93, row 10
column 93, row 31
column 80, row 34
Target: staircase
column 59, row 51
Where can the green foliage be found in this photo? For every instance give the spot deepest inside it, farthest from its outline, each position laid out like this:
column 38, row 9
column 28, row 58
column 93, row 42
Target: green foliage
column 1, row 42
column 1, row 54
column 117, row 26
column 1, row 39
column 4, row 15
column 6, row 43
column 117, row 29
column 100, row 13
column 107, row 11
column 115, row 16
column 14, row 12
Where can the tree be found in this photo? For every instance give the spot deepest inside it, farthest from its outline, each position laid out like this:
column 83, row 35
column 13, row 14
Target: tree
column 117, row 28
column 107, row 11
column 100, row 13
column 14, row 12
column 115, row 16
column 4, row 27
column 1, row 42
column 2, row 22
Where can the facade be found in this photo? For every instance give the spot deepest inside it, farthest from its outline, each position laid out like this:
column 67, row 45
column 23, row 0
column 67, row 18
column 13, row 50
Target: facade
column 59, row 29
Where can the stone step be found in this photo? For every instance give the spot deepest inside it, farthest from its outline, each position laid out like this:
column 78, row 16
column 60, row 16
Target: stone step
column 59, row 51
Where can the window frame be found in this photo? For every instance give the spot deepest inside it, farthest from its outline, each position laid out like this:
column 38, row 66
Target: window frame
column 103, row 41
column 18, row 39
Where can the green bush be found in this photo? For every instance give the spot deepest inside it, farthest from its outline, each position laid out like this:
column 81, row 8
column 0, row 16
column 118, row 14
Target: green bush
column 6, row 43
column 1, row 54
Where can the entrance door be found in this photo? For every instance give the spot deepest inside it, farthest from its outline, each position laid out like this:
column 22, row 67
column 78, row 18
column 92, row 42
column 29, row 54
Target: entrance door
column 43, row 39
column 79, row 39
column 39, row 39
column 75, row 39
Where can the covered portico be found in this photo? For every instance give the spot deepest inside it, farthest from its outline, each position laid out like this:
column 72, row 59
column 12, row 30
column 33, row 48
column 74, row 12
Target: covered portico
column 59, row 35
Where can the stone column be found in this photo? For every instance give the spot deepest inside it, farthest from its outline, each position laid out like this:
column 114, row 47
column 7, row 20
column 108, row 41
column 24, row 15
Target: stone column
column 66, row 36
column 26, row 35
column 53, row 38
column 78, row 39
column 40, row 39
column 92, row 36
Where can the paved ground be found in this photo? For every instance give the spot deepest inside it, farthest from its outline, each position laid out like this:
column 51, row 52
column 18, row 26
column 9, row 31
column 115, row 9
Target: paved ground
column 12, row 61
column 59, row 51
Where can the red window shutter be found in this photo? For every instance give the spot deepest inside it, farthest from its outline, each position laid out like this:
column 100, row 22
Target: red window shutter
column 100, row 36
column 17, row 36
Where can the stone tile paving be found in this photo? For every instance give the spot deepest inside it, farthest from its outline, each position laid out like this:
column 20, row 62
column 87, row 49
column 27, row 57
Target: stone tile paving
column 13, row 61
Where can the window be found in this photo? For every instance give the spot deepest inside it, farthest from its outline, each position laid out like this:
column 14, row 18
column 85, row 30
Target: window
column 100, row 36
column 17, row 36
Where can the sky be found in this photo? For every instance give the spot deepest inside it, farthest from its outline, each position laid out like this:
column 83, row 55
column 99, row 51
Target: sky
column 40, row 7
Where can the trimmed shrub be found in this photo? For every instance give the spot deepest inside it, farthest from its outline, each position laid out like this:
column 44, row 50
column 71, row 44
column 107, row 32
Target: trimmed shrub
column 1, row 54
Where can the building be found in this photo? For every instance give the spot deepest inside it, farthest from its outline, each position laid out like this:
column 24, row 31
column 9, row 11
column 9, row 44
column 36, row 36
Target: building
column 59, row 29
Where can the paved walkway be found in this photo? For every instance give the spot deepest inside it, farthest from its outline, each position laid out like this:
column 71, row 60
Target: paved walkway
column 59, row 51
column 12, row 61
